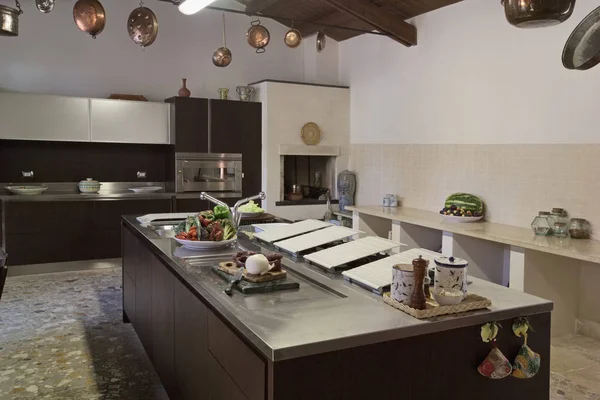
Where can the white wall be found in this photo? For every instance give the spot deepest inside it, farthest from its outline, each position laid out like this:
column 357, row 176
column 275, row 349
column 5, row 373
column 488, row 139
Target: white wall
column 51, row 55
column 473, row 78
column 286, row 108
column 321, row 67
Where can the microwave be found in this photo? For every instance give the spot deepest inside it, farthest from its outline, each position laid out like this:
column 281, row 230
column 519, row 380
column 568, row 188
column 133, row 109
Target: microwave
column 208, row 172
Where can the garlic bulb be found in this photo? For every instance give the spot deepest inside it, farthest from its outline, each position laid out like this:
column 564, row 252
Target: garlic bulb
column 257, row 264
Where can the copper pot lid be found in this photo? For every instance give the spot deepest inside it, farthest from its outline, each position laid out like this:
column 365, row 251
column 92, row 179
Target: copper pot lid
column 258, row 36
column 89, row 16
column 293, row 38
column 142, row 26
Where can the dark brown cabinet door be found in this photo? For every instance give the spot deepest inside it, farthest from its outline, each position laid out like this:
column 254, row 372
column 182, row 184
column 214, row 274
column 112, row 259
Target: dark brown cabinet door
column 236, row 127
column 189, row 121
column 221, row 386
column 58, row 231
column 143, row 299
column 191, row 350
column 107, row 220
column 162, row 325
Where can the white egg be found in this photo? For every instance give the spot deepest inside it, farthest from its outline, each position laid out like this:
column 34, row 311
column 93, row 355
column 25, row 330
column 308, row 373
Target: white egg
column 257, row 264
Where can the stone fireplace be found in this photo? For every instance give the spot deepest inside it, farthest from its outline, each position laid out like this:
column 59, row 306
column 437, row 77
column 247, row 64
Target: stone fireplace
column 312, row 168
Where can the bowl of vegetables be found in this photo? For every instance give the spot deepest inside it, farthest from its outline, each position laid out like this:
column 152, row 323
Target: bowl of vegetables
column 207, row 230
column 250, row 210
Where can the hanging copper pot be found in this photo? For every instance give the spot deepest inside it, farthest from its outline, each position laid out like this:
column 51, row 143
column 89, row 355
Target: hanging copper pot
column 89, row 16
column 222, row 56
column 258, row 36
column 321, row 41
column 142, row 26
column 293, row 38
column 537, row 13
column 44, row 6
column 9, row 20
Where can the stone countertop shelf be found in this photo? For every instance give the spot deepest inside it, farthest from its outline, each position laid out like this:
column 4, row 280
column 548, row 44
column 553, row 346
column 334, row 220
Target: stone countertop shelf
column 579, row 249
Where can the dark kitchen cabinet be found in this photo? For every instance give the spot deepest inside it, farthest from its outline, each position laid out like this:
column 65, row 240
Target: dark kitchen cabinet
column 143, row 299
column 42, row 232
column 189, row 124
column 69, row 230
column 236, row 127
column 191, row 205
column 191, row 348
column 163, row 345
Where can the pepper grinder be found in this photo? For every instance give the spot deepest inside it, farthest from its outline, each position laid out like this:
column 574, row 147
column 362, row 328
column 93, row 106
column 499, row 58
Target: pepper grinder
column 417, row 299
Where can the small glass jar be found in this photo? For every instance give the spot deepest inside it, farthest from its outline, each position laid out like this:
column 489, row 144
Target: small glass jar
column 542, row 224
column 560, row 223
column 580, row 228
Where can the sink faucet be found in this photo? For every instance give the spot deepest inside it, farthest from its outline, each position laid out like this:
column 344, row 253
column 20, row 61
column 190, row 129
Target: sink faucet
column 236, row 215
column 206, row 196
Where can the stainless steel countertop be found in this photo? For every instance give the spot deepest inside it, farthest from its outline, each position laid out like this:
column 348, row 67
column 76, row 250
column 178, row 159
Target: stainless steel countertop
column 58, row 196
column 326, row 313
column 68, row 191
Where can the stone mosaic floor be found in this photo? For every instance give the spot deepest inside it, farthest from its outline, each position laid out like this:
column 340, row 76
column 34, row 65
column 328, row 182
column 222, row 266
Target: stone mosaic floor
column 575, row 367
column 61, row 337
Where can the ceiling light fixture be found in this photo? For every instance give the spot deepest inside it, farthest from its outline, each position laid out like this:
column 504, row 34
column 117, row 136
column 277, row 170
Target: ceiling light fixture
column 189, row 7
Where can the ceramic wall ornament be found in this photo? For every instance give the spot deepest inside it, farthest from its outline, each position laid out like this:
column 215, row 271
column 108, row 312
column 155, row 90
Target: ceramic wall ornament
column 527, row 362
column 346, row 185
column 495, row 365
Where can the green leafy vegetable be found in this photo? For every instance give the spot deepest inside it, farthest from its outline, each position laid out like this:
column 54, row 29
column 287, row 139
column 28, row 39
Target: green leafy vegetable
column 251, row 207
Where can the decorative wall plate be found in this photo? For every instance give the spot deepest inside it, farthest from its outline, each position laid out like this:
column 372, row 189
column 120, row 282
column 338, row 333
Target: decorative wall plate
column 311, row 134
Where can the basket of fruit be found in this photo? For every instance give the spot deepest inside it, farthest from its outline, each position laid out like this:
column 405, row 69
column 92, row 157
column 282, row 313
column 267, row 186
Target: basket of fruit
column 462, row 207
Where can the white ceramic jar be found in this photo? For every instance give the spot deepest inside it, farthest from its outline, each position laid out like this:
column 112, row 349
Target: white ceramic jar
column 403, row 282
column 450, row 275
column 89, row 186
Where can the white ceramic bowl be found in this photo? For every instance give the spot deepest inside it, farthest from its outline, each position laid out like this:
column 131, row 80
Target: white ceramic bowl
column 26, row 190
column 447, row 298
column 204, row 244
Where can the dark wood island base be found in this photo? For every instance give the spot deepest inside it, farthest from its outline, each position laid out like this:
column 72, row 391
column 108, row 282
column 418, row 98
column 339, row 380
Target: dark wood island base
column 199, row 354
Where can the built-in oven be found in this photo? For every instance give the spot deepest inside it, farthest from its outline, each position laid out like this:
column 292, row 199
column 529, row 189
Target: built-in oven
column 208, row 172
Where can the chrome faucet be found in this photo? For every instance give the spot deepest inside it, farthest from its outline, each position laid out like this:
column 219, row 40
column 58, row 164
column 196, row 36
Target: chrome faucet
column 236, row 215
column 206, row 196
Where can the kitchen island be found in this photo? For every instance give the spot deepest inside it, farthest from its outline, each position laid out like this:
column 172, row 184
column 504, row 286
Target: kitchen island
column 327, row 340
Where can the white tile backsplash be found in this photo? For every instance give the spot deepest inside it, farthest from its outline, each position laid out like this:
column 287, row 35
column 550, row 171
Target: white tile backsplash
column 515, row 181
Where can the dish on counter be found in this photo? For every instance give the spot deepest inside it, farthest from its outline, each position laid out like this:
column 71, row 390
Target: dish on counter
column 26, row 190
column 447, row 297
column 146, row 189
column 206, row 230
column 89, row 185
column 250, row 209
column 462, row 207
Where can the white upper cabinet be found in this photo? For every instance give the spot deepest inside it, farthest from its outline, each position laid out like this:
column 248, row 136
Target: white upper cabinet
column 27, row 116
column 124, row 121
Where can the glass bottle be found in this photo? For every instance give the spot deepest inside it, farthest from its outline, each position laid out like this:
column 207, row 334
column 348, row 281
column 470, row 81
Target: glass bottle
column 580, row 228
column 542, row 225
column 560, row 223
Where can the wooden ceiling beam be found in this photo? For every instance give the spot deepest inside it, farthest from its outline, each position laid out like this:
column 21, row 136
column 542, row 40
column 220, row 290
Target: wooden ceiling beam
column 256, row 6
column 379, row 19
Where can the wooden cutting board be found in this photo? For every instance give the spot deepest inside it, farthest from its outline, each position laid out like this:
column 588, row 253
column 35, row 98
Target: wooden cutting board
column 231, row 268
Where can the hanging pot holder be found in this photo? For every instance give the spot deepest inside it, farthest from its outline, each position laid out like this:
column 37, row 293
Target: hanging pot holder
column 495, row 365
column 527, row 363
